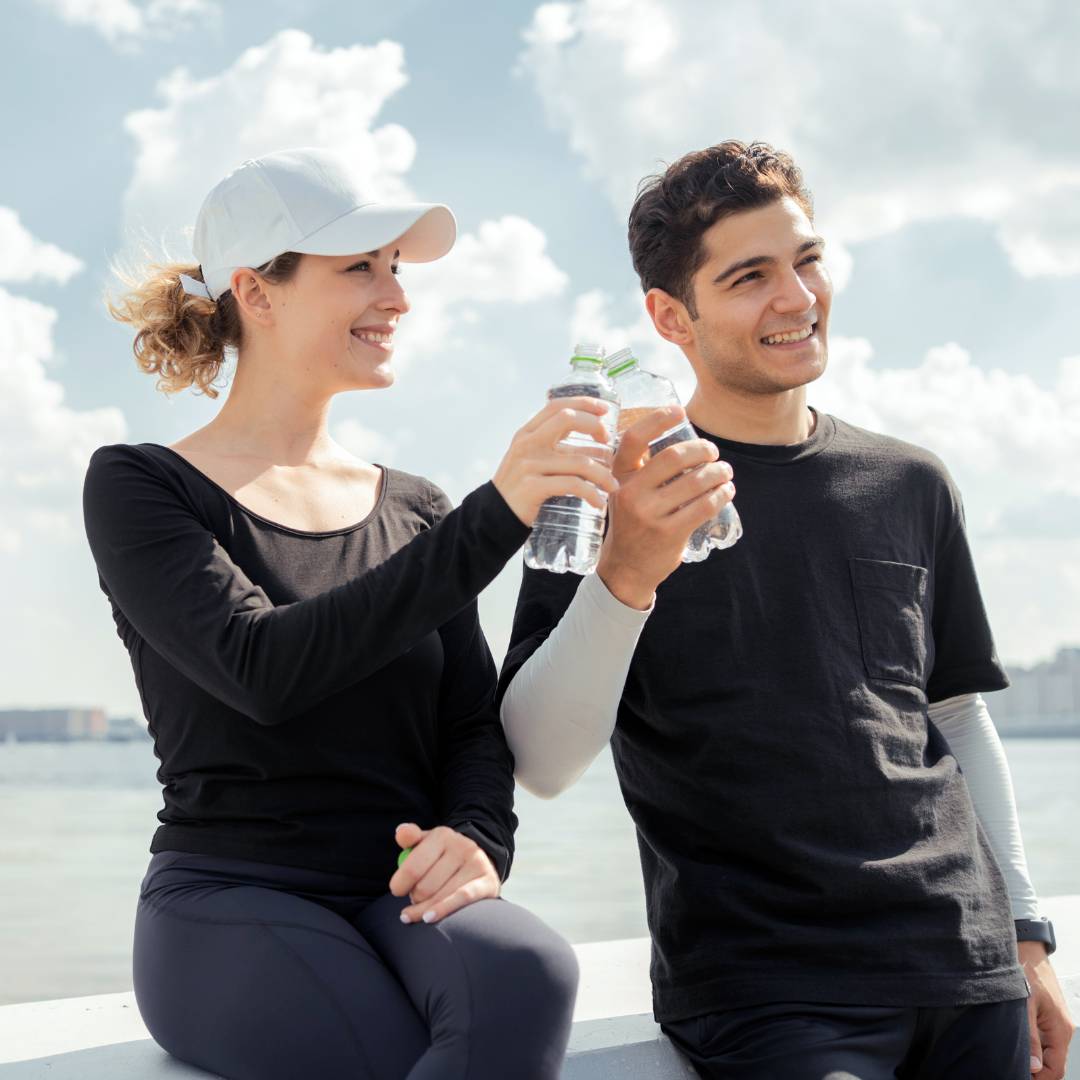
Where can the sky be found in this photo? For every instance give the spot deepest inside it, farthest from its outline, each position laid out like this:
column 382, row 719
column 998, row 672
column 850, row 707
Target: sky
column 939, row 139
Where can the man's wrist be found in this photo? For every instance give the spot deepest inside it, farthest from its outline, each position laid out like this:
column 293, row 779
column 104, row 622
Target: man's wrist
column 1032, row 952
column 1037, row 930
column 626, row 586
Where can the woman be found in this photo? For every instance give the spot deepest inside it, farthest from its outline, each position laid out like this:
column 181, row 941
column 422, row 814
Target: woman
column 304, row 635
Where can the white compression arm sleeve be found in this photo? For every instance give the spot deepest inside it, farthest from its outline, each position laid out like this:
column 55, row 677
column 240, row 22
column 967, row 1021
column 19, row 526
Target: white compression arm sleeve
column 560, row 709
column 969, row 731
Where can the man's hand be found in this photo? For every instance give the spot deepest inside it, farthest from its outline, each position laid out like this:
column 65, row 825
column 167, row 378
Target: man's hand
column 658, row 506
column 1049, row 1022
column 444, row 871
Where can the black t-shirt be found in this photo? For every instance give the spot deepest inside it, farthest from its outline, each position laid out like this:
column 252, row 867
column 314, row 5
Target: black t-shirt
column 307, row 692
column 804, row 830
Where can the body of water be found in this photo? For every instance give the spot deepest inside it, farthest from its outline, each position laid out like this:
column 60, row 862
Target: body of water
column 76, row 821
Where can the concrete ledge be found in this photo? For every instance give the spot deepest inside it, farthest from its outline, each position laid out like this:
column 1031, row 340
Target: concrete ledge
column 103, row 1038
column 622, row 1048
column 614, row 1035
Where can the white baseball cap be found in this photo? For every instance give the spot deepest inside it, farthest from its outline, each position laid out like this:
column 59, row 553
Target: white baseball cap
column 304, row 200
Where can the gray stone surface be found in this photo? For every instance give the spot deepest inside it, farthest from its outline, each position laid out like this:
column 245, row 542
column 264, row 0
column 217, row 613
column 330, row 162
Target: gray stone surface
column 623, row 1048
column 142, row 1059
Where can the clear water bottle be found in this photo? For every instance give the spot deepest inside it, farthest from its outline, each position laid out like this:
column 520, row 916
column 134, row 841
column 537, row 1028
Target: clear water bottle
column 568, row 531
column 640, row 392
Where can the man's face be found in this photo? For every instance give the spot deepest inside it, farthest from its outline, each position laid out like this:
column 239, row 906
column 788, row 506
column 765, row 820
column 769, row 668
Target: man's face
column 763, row 284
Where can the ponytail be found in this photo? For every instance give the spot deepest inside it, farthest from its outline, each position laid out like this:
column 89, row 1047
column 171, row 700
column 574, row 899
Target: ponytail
column 182, row 338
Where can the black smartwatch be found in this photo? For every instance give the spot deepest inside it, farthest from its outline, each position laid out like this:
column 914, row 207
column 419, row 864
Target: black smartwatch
column 1036, row 930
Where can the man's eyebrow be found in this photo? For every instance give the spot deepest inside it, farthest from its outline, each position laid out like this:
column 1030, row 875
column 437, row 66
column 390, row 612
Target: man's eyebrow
column 764, row 260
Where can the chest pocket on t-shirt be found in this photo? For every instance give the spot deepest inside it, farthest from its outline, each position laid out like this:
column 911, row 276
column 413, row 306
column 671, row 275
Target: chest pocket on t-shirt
column 889, row 604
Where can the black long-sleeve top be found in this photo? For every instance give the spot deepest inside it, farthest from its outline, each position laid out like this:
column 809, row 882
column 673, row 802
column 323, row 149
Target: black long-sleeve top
column 307, row 692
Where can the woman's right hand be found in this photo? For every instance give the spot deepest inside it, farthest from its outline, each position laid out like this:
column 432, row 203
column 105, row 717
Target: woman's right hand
column 535, row 468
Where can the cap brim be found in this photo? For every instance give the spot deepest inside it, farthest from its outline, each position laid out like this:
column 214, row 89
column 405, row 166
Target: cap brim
column 422, row 232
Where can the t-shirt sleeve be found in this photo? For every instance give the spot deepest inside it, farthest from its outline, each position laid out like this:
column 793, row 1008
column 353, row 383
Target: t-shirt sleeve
column 182, row 593
column 965, row 659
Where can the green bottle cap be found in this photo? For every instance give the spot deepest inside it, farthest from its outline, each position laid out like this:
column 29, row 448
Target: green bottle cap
column 619, row 362
column 589, row 354
column 403, row 856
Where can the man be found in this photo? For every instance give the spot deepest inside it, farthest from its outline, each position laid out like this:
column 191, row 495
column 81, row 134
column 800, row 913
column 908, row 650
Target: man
column 826, row 894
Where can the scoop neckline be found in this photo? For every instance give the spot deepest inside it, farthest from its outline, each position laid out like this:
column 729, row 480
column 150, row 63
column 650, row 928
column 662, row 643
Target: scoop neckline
column 383, row 484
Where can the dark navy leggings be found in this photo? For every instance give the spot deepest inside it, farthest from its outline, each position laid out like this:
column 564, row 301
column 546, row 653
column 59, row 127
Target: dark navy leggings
column 260, row 972
column 801, row 1041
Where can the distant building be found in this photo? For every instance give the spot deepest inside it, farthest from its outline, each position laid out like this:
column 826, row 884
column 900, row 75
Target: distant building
column 53, row 725
column 1043, row 700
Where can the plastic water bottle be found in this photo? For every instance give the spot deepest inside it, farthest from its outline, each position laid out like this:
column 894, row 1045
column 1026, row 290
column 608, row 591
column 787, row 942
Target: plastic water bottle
column 640, row 392
column 568, row 531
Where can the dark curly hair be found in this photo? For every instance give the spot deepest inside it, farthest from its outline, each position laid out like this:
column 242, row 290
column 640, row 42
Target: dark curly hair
column 673, row 209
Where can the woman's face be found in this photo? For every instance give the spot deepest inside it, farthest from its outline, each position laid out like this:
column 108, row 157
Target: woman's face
column 336, row 319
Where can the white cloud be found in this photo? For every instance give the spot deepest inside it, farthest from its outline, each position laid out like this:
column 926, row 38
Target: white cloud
column 1041, row 236
column 553, row 24
column 897, row 112
column 124, row 22
column 287, row 92
column 45, row 444
column 24, row 258
column 504, row 262
column 999, row 430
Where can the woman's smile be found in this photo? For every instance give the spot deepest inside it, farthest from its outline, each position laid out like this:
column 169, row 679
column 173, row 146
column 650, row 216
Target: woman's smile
column 381, row 338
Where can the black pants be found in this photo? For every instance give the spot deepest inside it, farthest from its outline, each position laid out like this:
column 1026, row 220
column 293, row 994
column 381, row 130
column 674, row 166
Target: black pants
column 278, row 973
column 798, row 1041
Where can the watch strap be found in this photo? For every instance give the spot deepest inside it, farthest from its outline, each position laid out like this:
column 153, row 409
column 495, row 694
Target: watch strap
column 1036, row 930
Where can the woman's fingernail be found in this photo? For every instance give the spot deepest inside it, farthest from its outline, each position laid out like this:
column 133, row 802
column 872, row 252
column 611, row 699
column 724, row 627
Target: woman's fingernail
column 405, row 917
column 429, row 916
column 1036, row 1064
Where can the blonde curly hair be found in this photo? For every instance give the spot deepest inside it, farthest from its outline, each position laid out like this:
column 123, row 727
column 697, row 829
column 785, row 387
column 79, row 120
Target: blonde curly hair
column 178, row 337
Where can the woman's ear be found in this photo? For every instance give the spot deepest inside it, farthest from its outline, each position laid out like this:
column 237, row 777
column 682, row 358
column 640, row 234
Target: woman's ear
column 251, row 296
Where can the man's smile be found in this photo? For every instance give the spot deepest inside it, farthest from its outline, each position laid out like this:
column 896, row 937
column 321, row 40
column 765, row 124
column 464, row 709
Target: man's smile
column 791, row 338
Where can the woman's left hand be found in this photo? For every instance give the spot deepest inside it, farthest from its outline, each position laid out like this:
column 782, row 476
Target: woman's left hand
column 444, row 871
